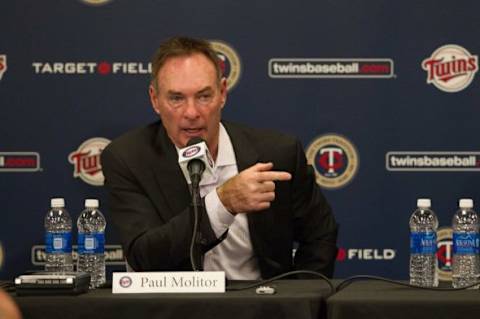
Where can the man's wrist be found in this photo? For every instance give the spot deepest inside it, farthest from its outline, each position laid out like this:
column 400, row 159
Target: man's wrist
column 220, row 217
column 223, row 199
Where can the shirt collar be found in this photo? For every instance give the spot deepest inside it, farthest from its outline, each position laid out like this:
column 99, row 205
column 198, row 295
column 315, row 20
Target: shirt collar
column 226, row 155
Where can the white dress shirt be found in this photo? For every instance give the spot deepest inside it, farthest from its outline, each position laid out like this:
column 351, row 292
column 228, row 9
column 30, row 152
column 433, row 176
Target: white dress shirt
column 234, row 255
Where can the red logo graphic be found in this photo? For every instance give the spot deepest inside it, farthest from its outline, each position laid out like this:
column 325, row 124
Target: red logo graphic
column 331, row 159
column 451, row 68
column 86, row 161
column 104, row 68
column 125, row 282
column 19, row 162
column 191, row 151
column 342, row 254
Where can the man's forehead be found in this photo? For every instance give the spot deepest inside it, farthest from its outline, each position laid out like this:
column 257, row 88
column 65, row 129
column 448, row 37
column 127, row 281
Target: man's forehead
column 187, row 73
column 189, row 62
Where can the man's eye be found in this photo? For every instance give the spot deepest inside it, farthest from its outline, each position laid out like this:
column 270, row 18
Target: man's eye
column 205, row 97
column 176, row 98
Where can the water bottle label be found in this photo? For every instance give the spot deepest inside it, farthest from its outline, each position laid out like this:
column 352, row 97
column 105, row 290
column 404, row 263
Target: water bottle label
column 58, row 243
column 423, row 242
column 466, row 243
column 91, row 244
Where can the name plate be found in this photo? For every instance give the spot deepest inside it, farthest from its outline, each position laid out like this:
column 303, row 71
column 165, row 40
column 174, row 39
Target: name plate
column 168, row 282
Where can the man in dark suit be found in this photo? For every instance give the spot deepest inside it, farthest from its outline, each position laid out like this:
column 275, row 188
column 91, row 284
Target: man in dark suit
column 261, row 199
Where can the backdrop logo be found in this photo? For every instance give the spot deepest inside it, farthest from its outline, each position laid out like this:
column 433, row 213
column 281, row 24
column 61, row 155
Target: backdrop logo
column 3, row 64
column 444, row 253
column 365, row 254
column 19, row 162
column 96, row 2
column 231, row 66
column 433, row 161
column 451, row 68
column 330, row 68
column 86, row 161
column 334, row 159
column 102, row 68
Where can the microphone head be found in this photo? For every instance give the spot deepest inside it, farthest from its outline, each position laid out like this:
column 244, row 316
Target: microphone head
column 195, row 140
column 195, row 158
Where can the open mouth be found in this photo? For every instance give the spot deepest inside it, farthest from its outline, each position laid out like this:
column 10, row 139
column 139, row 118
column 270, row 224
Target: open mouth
column 193, row 131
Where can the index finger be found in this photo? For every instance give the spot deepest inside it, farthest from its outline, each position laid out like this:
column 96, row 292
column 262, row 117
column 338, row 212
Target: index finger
column 274, row 176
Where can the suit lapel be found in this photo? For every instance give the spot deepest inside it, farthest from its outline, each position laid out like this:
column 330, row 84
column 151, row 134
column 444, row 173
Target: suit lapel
column 245, row 155
column 167, row 172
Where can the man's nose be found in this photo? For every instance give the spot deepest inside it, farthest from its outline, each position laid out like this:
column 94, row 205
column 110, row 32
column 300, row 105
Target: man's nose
column 191, row 111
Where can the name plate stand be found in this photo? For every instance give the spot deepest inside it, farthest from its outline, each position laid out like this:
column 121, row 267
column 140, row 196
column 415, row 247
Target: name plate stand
column 168, row 282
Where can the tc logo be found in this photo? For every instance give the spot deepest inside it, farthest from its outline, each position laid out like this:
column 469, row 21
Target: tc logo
column 444, row 253
column 331, row 160
column 334, row 159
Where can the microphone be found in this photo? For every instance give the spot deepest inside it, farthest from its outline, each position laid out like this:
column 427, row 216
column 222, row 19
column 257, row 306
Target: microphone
column 195, row 160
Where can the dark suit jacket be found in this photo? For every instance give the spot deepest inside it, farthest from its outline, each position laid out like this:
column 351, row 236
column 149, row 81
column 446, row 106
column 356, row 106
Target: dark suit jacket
column 149, row 203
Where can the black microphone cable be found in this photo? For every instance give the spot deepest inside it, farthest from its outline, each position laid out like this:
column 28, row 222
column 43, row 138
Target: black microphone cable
column 290, row 273
column 195, row 204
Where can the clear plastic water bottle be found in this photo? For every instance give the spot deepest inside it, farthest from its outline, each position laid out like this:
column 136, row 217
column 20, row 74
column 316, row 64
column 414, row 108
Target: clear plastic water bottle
column 58, row 238
column 465, row 263
column 91, row 243
column 423, row 245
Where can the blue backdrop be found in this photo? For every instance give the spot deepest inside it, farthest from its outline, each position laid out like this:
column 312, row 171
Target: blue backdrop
column 384, row 93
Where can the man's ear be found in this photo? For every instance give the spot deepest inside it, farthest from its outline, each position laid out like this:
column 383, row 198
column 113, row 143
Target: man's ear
column 223, row 90
column 154, row 99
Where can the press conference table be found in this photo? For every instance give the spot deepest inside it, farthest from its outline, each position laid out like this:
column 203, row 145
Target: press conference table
column 373, row 299
column 294, row 299
column 303, row 299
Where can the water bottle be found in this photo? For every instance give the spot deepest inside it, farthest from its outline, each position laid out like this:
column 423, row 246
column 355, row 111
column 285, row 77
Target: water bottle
column 91, row 243
column 465, row 263
column 58, row 238
column 423, row 245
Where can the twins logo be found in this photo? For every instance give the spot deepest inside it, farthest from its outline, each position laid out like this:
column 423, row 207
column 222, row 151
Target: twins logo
column 334, row 159
column 86, row 161
column 451, row 68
